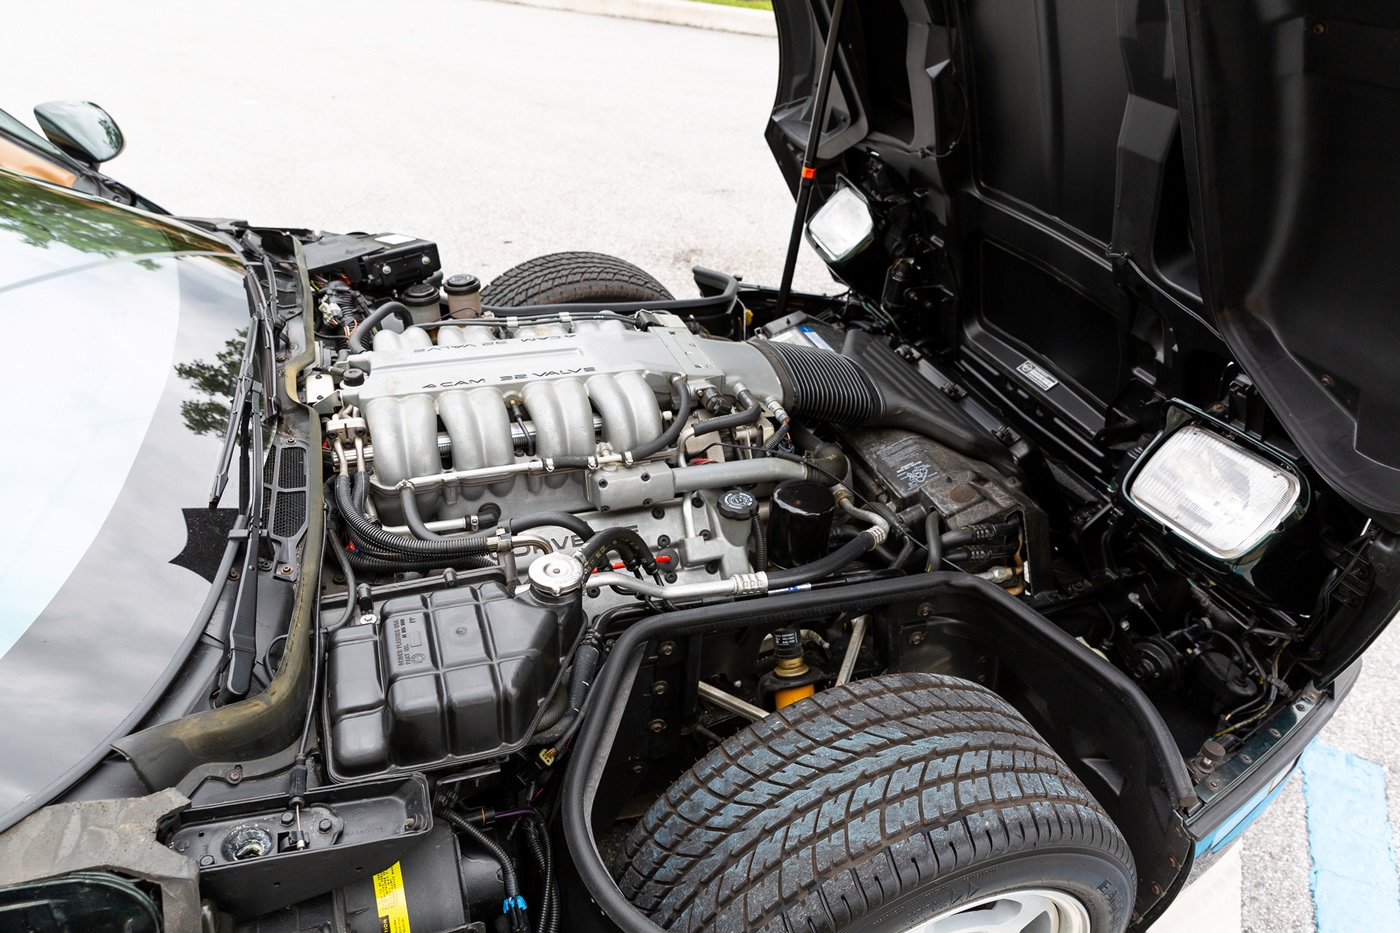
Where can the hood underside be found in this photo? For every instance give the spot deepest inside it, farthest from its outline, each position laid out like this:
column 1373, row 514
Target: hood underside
column 1197, row 172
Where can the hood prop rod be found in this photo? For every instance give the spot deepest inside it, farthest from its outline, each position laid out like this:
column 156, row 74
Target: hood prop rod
column 809, row 158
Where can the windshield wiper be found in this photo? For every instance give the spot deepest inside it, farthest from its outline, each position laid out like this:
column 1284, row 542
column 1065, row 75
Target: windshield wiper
column 257, row 346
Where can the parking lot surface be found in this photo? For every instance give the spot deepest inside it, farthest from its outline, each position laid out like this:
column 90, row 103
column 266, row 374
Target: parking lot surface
column 503, row 132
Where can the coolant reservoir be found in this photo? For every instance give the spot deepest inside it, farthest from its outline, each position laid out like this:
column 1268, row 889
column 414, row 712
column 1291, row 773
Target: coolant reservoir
column 463, row 295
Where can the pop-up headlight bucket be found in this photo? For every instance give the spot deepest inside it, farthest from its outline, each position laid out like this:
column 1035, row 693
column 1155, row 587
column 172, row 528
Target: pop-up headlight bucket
column 843, row 226
column 1219, row 492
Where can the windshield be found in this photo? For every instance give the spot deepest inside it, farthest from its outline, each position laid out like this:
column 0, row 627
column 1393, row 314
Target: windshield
column 119, row 331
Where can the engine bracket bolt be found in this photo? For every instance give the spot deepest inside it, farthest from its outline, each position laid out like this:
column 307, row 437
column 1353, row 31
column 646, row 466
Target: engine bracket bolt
column 657, row 725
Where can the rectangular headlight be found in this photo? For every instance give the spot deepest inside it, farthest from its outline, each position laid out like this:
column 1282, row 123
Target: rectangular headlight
column 1218, row 496
column 843, row 226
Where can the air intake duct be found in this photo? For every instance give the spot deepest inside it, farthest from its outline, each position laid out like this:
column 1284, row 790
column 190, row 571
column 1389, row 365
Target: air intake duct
column 821, row 386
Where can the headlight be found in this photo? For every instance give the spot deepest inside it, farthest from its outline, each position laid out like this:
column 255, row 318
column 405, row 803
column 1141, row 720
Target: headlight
column 843, row 226
column 1218, row 496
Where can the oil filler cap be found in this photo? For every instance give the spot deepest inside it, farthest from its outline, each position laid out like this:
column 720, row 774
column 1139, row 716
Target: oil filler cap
column 738, row 505
column 555, row 574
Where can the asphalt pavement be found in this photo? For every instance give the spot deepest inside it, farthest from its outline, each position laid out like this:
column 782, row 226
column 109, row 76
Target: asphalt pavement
column 503, row 132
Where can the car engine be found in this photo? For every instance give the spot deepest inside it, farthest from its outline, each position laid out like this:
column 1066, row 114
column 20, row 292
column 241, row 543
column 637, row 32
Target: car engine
column 552, row 440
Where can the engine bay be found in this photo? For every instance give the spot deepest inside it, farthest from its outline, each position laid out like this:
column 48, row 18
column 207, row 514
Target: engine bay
column 582, row 545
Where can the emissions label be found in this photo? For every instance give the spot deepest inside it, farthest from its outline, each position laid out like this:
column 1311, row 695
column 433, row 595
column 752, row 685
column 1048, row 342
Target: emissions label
column 389, row 898
column 1040, row 377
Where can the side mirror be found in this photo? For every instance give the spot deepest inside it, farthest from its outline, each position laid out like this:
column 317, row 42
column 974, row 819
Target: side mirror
column 81, row 129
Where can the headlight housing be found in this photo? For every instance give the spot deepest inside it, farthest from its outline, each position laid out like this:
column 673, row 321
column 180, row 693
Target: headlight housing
column 1216, row 495
column 843, row 226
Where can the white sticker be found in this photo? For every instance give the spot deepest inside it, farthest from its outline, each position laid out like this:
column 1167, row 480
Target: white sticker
column 1040, row 377
column 815, row 338
column 394, row 239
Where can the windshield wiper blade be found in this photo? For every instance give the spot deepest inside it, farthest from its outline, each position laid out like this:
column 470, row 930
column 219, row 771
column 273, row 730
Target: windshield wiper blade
column 257, row 342
column 242, row 626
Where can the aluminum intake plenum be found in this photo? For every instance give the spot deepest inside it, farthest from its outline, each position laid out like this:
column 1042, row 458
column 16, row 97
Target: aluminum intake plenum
column 561, row 373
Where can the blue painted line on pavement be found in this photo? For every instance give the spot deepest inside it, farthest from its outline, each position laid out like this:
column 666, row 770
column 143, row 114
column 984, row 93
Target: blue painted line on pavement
column 1354, row 884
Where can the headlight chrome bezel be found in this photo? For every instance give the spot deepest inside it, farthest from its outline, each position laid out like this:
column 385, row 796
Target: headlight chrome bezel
column 1248, row 455
column 845, row 198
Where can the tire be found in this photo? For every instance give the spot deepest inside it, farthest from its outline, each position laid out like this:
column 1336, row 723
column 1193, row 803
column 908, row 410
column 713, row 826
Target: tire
column 876, row 806
column 572, row 278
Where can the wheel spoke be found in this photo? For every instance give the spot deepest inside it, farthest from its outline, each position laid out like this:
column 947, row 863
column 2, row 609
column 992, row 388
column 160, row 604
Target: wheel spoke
column 1034, row 911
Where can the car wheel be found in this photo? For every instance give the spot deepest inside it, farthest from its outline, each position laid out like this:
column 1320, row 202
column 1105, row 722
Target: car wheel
column 572, row 278
column 907, row 802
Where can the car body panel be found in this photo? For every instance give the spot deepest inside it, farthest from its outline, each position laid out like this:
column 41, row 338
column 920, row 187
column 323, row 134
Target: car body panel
column 120, row 444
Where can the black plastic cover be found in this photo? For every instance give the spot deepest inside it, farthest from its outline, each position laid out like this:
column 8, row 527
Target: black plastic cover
column 443, row 678
column 383, row 261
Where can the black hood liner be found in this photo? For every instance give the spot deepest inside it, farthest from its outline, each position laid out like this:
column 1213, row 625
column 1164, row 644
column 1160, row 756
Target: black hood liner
column 1233, row 165
column 1291, row 113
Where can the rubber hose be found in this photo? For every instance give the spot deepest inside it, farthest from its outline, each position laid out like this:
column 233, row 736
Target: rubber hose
column 373, row 563
column 778, row 435
column 349, row 571
column 532, row 842
column 408, row 499
column 586, row 661
column 554, row 906
column 667, row 437
column 748, row 416
column 566, row 520
column 933, row 541
column 760, row 546
column 362, row 529
column 492, row 847
column 373, row 319
column 881, row 550
column 976, row 533
column 905, row 553
column 836, row 560
column 625, row 541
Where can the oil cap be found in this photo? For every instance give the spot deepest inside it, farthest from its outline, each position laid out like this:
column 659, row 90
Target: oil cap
column 738, row 505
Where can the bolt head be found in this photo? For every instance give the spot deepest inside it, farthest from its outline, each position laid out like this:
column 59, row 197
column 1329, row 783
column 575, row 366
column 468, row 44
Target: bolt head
column 637, row 767
column 659, row 688
column 325, row 826
column 386, row 269
column 667, row 648
column 206, row 860
column 657, row 725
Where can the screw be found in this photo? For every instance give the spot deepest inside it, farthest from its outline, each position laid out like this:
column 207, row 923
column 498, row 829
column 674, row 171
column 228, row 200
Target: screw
column 206, row 860
column 410, row 822
column 1171, row 861
column 426, row 260
column 925, row 610
column 658, row 514
column 1246, row 759
column 659, row 688
column 325, row 826
column 235, row 775
column 664, row 541
column 1319, row 28
column 657, row 725
column 712, row 567
column 285, row 569
column 704, row 534
column 1214, row 784
column 386, row 268
column 233, row 574
column 637, row 767
column 1301, row 707
column 697, row 502
column 1328, row 382
column 1275, row 733
column 916, row 638
column 667, row 649
column 593, row 592
column 1156, row 888
column 670, row 576
column 602, row 484
column 646, row 477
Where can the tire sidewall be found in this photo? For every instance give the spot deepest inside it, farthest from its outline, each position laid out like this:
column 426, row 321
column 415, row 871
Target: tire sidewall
column 1099, row 883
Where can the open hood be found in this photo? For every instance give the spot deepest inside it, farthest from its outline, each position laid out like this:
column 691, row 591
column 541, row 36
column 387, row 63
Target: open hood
column 1160, row 191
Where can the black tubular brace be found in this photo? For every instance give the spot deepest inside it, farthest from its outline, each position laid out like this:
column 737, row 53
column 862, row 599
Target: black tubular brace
column 667, row 437
column 1033, row 648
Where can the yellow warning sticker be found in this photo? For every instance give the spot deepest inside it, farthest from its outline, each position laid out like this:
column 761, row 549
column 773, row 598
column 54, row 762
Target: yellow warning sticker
column 389, row 897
